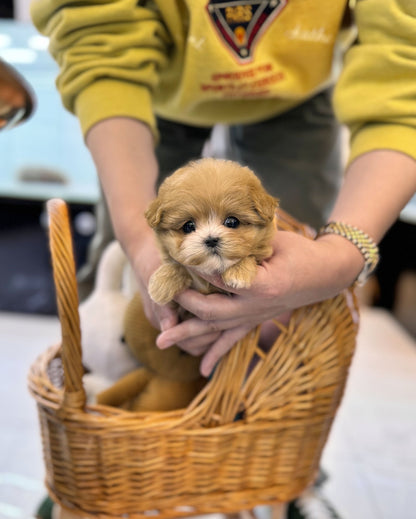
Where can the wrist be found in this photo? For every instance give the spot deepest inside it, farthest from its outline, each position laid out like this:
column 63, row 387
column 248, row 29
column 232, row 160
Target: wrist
column 361, row 241
column 347, row 262
column 140, row 246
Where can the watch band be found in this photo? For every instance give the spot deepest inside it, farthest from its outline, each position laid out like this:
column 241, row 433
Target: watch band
column 361, row 240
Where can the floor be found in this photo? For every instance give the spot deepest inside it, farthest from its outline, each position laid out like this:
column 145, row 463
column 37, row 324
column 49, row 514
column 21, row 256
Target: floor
column 370, row 456
column 22, row 338
column 371, row 452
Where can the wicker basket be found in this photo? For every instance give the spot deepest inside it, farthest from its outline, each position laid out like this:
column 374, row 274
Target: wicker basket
column 246, row 440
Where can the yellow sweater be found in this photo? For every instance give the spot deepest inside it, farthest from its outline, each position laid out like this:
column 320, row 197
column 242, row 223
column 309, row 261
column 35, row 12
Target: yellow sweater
column 203, row 62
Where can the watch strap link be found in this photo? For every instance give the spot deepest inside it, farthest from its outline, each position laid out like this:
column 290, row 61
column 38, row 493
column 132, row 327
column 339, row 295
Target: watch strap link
column 361, row 240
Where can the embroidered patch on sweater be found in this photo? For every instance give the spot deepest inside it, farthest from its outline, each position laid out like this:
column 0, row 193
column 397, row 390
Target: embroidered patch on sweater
column 239, row 23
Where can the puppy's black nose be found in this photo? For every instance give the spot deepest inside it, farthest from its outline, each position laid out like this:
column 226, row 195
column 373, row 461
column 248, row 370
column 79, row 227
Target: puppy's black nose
column 211, row 242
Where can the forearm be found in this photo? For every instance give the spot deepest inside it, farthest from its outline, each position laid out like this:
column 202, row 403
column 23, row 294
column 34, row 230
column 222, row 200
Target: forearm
column 123, row 153
column 377, row 186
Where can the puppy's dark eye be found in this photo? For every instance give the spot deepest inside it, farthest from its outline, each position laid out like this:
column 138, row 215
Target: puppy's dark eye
column 232, row 222
column 188, row 227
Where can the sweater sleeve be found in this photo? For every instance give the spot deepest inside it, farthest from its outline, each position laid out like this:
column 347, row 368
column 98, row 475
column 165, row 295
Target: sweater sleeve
column 376, row 92
column 109, row 55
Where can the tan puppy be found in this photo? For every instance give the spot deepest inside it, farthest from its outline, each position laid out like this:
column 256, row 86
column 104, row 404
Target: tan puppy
column 211, row 217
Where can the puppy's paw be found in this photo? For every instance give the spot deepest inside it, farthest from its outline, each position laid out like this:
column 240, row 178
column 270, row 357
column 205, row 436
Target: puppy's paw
column 240, row 275
column 237, row 282
column 161, row 290
column 166, row 282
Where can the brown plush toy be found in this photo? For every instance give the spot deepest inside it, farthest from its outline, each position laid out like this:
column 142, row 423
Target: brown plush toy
column 167, row 379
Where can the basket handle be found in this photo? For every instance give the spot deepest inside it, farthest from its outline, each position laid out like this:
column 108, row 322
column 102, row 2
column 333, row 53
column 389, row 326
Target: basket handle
column 64, row 274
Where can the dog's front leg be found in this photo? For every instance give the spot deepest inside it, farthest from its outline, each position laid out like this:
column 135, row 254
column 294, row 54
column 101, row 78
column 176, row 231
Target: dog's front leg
column 168, row 280
column 242, row 274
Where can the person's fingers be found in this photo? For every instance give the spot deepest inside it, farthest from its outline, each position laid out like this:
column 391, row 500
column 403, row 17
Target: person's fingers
column 221, row 347
column 199, row 344
column 161, row 317
column 195, row 328
column 196, row 346
column 193, row 336
column 168, row 317
column 210, row 307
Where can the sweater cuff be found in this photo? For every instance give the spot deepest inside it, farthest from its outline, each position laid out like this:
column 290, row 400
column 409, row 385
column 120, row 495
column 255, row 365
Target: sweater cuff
column 373, row 137
column 108, row 98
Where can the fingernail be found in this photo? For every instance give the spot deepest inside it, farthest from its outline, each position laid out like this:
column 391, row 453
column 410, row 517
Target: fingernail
column 205, row 369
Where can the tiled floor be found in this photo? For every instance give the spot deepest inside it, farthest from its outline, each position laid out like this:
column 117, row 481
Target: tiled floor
column 370, row 456
column 22, row 338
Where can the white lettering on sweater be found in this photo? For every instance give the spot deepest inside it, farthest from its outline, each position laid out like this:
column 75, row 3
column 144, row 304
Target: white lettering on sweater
column 197, row 43
column 317, row 34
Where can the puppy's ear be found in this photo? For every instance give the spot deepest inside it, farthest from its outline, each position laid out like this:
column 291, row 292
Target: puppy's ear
column 265, row 205
column 153, row 213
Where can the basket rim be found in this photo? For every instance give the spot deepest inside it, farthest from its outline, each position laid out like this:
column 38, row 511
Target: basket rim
column 50, row 397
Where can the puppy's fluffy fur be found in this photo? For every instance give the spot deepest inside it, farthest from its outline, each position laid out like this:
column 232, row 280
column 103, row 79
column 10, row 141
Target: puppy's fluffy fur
column 211, row 216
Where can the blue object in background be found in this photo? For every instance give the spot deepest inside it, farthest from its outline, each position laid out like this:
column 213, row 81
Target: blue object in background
column 50, row 143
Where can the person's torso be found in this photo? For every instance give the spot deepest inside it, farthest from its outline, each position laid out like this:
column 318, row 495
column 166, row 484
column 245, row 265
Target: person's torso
column 244, row 60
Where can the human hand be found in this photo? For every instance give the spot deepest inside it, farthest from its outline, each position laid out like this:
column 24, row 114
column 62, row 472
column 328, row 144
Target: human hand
column 118, row 145
column 301, row 271
column 145, row 259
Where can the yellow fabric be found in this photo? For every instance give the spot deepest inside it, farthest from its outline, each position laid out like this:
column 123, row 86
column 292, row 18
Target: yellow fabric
column 130, row 58
column 376, row 93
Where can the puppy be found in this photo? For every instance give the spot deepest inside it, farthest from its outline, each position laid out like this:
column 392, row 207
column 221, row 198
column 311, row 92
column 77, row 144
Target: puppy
column 211, row 217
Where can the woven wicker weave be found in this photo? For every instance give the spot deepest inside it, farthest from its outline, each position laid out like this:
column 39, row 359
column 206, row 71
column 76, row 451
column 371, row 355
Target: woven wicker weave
column 246, row 440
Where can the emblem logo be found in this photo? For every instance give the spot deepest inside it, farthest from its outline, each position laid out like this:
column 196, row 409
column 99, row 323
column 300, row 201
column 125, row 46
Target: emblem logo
column 240, row 22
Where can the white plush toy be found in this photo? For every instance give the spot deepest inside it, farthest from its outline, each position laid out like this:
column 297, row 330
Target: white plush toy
column 104, row 354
